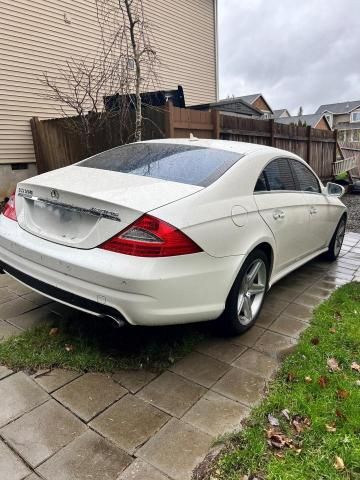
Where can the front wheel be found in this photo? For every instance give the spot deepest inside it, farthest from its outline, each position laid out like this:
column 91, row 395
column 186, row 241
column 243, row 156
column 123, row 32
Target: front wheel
column 246, row 296
column 337, row 240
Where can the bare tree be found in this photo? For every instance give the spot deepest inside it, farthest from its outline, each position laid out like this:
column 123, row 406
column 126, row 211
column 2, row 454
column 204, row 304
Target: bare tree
column 125, row 64
column 142, row 61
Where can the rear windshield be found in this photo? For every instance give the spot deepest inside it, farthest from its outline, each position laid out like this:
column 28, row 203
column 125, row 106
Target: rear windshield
column 173, row 162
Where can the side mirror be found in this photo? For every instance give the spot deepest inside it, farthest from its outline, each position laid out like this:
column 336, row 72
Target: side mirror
column 334, row 190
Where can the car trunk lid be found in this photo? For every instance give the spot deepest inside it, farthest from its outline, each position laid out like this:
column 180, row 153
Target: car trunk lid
column 84, row 207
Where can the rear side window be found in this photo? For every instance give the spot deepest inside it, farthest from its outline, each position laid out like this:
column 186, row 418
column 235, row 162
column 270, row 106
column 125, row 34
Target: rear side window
column 306, row 180
column 279, row 176
column 261, row 184
column 167, row 161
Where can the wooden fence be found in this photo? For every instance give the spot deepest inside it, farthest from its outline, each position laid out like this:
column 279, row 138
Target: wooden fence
column 57, row 145
column 59, row 142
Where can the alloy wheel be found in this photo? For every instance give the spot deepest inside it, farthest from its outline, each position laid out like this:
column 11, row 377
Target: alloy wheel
column 252, row 291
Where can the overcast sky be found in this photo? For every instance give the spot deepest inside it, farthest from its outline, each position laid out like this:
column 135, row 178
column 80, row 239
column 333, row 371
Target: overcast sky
column 295, row 52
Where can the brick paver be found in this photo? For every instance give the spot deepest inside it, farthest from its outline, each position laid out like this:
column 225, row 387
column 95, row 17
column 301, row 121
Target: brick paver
column 141, row 425
column 89, row 456
column 55, row 427
column 89, row 395
column 172, row 393
column 130, row 422
column 176, row 449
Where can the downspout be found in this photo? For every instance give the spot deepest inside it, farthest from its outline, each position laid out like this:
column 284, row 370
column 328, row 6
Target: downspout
column 216, row 48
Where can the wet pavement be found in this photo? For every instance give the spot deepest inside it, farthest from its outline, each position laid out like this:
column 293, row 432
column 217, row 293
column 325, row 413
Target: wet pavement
column 138, row 425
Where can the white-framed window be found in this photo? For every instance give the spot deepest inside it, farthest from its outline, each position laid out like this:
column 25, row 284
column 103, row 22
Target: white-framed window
column 266, row 116
column 341, row 135
column 356, row 136
column 329, row 118
column 355, row 116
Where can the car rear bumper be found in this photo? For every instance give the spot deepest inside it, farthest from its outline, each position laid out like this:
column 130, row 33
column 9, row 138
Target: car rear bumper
column 143, row 291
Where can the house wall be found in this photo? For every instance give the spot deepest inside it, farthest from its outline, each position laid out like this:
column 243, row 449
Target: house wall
column 341, row 118
column 39, row 35
column 323, row 125
column 261, row 105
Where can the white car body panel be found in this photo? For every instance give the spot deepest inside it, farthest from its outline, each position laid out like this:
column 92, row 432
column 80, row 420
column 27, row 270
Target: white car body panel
column 226, row 219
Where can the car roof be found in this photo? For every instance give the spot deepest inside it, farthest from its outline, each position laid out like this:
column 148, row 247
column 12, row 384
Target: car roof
column 242, row 148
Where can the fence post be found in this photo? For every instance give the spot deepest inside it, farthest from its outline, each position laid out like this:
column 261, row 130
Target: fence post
column 215, row 118
column 335, row 145
column 37, row 141
column 309, row 143
column 170, row 132
column 272, row 132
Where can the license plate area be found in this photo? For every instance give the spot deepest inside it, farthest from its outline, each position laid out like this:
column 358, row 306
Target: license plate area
column 61, row 222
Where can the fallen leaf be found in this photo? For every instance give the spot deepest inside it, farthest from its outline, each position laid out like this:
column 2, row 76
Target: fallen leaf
column 286, row 414
column 339, row 463
column 342, row 394
column 323, row 381
column 332, row 330
column 339, row 414
column 290, row 377
column 273, row 420
column 54, row 331
column 330, row 428
column 333, row 365
column 69, row 347
column 308, row 379
column 279, row 455
column 355, row 366
column 338, row 315
column 300, row 423
column 277, row 440
column 315, row 341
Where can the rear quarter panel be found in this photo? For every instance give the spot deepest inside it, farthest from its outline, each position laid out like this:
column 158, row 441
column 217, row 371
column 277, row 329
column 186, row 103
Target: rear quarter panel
column 223, row 218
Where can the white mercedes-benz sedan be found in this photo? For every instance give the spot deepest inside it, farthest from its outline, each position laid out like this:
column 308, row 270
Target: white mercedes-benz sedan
column 170, row 231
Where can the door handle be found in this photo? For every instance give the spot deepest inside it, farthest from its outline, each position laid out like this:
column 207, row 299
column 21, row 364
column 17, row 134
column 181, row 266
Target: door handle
column 278, row 214
column 313, row 210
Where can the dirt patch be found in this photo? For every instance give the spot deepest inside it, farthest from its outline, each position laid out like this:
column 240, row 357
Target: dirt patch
column 352, row 201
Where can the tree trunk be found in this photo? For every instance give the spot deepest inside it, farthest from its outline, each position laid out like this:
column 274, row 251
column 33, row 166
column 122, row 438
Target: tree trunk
column 138, row 110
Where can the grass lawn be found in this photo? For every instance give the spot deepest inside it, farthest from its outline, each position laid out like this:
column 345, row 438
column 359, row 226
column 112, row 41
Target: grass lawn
column 316, row 401
column 89, row 344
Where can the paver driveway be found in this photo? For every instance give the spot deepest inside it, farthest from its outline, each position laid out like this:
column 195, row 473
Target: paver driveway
column 135, row 425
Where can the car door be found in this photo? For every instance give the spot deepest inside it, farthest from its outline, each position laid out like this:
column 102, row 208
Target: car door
column 321, row 223
column 283, row 209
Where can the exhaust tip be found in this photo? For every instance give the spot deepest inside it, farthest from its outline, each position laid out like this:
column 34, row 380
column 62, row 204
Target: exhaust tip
column 119, row 321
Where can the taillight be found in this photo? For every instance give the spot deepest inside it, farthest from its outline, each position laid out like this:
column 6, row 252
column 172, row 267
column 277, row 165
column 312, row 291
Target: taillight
column 9, row 209
column 150, row 237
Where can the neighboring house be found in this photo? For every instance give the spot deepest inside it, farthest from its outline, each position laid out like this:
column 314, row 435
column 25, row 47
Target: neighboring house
column 258, row 101
column 345, row 117
column 39, row 35
column 281, row 113
column 317, row 120
column 231, row 106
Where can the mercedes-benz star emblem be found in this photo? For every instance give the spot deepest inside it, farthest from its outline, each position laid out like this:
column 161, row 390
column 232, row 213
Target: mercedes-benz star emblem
column 54, row 194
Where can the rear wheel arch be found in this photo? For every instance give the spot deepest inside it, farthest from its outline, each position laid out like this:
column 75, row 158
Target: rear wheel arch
column 269, row 252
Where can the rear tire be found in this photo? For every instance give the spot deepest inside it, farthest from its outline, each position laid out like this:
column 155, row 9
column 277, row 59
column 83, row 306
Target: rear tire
column 246, row 296
column 337, row 240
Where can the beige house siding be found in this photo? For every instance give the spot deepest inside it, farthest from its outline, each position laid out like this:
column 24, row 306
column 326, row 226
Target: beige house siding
column 34, row 37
